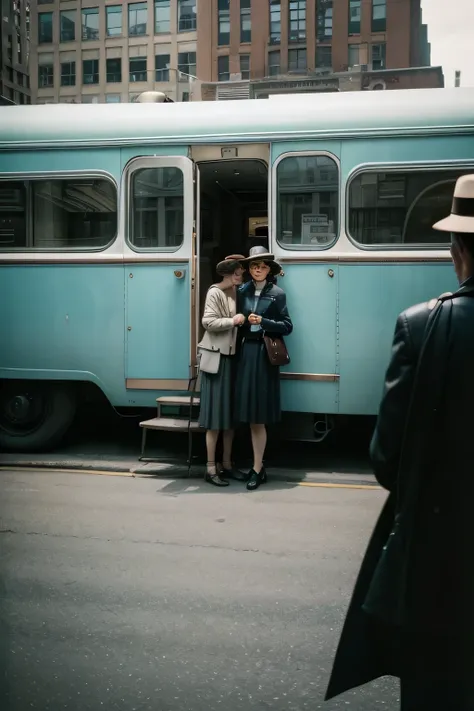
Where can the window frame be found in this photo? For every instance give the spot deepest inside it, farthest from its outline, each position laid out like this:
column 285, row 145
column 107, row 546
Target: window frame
column 142, row 163
column 42, row 41
column 323, row 49
column 245, row 16
column 247, row 57
column 379, row 24
column 90, row 74
column 62, row 175
column 62, row 75
column 156, row 6
column 188, row 65
column 297, row 51
column 324, row 12
column 275, row 10
column 223, row 56
column 275, row 200
column 85, row 12
column 108, row 74
column 131, row 8
column 270, row 66
column 64, row 13
column 301, row 7
column 350, row 32
column 42, row 85
column 179, row 19
column 112, row 10
column 223, row 16
column 402, row 167
column 383, row 56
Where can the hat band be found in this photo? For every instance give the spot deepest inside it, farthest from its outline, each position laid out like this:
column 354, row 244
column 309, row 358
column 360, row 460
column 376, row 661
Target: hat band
column 463, row 207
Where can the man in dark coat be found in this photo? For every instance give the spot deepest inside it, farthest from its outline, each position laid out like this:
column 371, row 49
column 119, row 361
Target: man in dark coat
column 412, row 610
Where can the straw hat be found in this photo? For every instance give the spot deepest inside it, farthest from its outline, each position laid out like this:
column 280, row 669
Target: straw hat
column 461, row 218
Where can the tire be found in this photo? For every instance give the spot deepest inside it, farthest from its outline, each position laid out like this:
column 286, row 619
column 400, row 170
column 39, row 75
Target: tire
column 34, row 416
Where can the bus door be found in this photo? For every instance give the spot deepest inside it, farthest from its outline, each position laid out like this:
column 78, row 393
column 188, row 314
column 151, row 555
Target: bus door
column 160, row 273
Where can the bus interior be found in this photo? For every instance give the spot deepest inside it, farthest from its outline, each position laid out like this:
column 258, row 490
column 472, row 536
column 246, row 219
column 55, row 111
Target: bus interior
column 233, row 213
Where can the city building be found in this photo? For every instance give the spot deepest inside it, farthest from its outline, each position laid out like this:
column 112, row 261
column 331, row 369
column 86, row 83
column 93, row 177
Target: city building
column 110, row 50
column 14, row 52
column 254, row 48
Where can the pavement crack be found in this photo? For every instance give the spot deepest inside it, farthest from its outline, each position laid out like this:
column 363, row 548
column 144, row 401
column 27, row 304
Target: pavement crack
column 142, row 541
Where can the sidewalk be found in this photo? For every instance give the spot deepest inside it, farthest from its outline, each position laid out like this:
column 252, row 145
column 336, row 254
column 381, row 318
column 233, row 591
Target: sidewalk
column 168, row 469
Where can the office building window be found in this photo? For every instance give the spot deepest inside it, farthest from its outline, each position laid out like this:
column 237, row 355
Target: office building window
column 223, row 22
column 137, row 67
column 114, row 70
column 379, row 55
column 324, row 57
column 185, row 96
column 113, row 21
column 187, row 63
column 137, row 15
column 90, row 99
column 223, row 68
column 68, row 74
column 354, row 55
column 245, row 21
column 45, row 28
column 245, row 66
column 297, row 21
column 113, row 98
column 90, row 71
column 379, row 15
column 46, row 74
column 354, row 17
column 67, row 21
column 162, row 70
column 90, row 23
column 162, row 17
column 274, row 63
column 275, row 21
column 324, row 20
column 297, row 61
column 187, row 15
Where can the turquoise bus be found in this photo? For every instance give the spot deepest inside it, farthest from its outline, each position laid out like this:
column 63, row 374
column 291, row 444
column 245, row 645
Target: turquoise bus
column 112, row 217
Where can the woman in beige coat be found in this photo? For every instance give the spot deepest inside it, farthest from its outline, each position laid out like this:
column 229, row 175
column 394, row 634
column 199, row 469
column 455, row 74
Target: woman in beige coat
column 217, row 351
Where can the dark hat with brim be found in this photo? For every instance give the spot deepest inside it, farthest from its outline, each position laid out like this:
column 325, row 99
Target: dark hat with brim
column 260, row 254
column 229, row 264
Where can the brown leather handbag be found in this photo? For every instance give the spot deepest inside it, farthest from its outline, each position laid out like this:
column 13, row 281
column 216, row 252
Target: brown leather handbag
column 276, row 350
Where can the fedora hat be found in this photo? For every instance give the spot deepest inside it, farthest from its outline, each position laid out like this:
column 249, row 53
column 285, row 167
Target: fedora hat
column 260, row 254
column 461, row 218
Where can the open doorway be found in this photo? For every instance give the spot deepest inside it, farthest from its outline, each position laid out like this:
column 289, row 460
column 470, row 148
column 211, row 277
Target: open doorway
column 234, row 212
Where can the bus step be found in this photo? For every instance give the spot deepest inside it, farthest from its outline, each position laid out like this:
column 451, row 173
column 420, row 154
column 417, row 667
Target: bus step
column 170, row 424
column 178, row 400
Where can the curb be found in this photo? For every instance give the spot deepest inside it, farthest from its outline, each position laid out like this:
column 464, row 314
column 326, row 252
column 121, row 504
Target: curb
column 178, row 471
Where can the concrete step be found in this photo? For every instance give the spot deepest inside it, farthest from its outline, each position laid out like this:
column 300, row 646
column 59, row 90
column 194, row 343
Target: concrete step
column 170, row 424
column 178, row 400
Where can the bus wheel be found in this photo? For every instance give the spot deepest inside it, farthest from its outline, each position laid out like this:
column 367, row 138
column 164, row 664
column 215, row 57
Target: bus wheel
column 34, row 416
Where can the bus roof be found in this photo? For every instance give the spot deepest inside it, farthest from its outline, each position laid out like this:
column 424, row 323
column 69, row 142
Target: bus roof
column 335, row 115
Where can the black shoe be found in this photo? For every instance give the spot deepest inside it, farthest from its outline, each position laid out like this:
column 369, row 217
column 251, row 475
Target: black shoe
column 216, row 480
column 234, row 474
column 256, row 479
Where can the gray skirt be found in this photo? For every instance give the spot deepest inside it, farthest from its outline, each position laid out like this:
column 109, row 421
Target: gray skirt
column 216, row 411
column 257, row 392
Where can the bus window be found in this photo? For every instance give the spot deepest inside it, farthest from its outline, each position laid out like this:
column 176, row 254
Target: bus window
column 157, row 209
column 308, row 201
column 61, row 214
column 399, row 208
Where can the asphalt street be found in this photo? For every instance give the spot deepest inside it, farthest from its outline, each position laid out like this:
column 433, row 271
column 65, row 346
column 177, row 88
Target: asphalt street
column 145, row 594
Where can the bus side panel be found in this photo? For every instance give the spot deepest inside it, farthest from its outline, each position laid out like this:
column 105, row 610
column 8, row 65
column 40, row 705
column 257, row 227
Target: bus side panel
column 370, row 298
column 158, row 308
column 64, row 322
column 311, row 297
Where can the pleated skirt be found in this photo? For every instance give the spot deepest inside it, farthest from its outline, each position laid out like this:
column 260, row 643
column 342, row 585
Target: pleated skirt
column 257, row 392
column 217, row 407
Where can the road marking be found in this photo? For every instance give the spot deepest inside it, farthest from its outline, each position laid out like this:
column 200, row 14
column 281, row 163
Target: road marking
column 54, row 470
column 336, row 486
